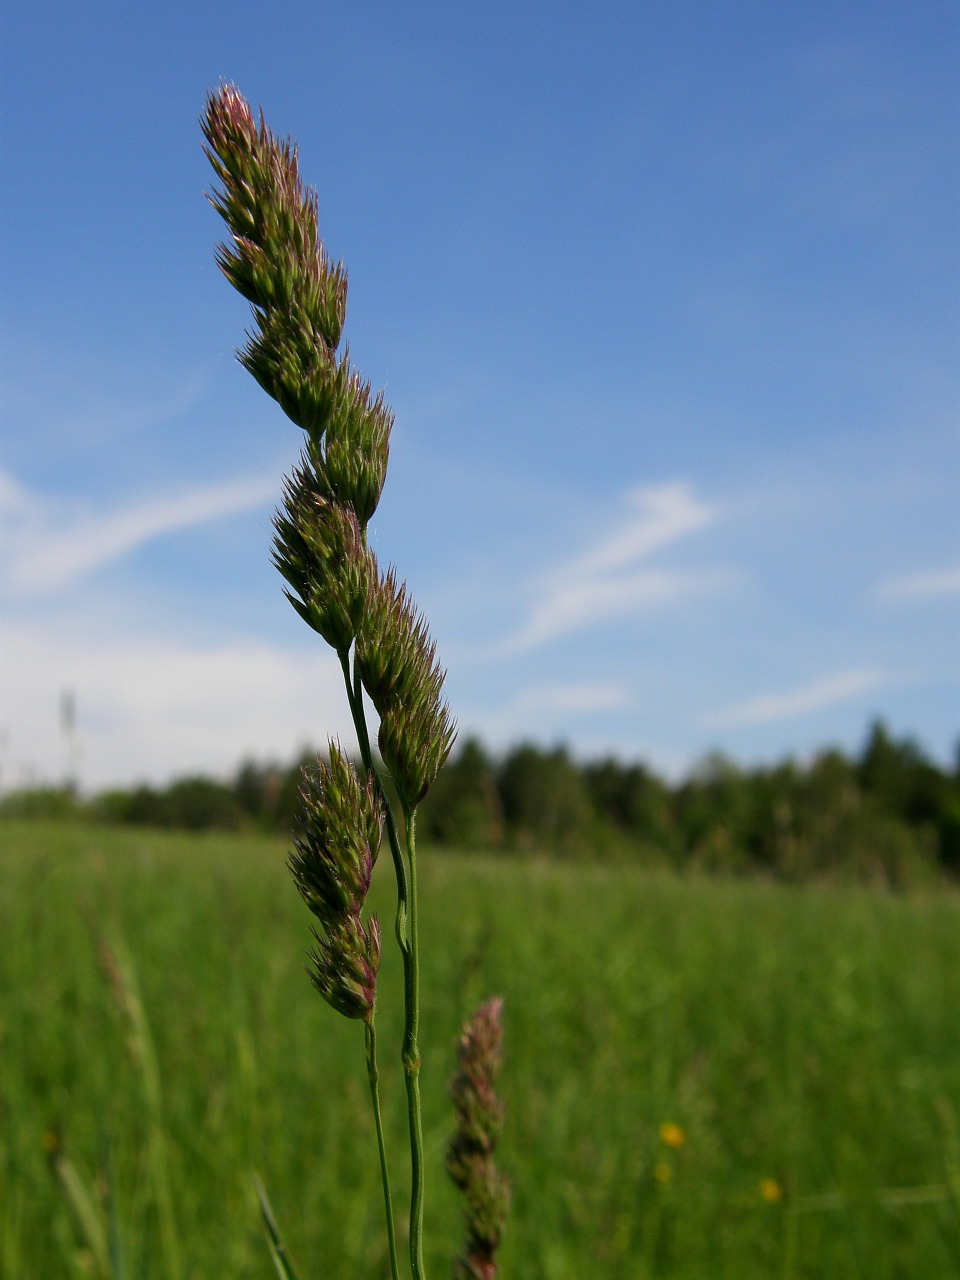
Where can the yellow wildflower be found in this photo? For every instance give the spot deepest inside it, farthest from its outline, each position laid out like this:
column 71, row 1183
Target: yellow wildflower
column 671, row 1135
column 771, row 1190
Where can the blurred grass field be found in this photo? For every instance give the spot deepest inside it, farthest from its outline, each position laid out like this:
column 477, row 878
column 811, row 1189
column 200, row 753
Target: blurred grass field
column 703, row 1078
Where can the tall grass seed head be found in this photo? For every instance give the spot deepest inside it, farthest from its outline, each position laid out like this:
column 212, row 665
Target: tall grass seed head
column 287, row 275
column 267, row 208
column 332, row 864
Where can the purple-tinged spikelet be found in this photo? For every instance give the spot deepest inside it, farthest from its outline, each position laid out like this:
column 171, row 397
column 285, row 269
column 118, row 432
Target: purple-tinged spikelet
column 332, row 864
column 414, row 743
column 470, row 1153
column 277, row 261
column 293, row 365
column 344, row 966
column 276, row 258
column 320, row 550
column 341, row 825
column 356, row 449
column 396, row 657
column 397, row 661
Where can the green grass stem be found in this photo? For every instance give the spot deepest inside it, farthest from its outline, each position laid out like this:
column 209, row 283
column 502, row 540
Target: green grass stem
column 411, row 1059
column 87, row 1213
column 373, row 1076
column 282, row 1261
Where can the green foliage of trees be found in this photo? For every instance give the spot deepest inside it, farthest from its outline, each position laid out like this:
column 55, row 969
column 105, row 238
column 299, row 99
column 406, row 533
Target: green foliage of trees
column 889, row 816
column 465, row 807
column 545, row 801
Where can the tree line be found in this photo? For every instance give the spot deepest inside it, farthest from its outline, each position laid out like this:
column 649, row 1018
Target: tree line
column 889, row 814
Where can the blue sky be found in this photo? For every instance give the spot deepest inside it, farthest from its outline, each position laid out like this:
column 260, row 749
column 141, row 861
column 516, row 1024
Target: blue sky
column 665, row 298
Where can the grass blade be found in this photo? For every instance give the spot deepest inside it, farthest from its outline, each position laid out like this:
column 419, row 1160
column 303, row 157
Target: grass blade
column 86, row 1211
column 121, row 975
column 278, row 1251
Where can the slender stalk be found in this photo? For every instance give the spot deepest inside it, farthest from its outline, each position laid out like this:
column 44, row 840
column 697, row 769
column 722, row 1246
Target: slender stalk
column 406, row 921
column 411, row 1059
column 355, row 698
column 373, row 1076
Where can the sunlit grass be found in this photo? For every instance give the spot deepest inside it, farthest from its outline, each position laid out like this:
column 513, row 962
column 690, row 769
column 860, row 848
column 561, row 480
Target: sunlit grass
column 702, row 1077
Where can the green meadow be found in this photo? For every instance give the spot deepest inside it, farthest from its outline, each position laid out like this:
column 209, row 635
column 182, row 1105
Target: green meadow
column 705, row 1078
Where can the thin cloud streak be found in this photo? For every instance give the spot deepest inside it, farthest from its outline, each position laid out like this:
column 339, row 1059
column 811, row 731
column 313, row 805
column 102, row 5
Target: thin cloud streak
column 42, row 557
column 608, row 581
column 922, row 586
column 544, row 708
column 661, row 516
column 814, row 696
column 574, row 605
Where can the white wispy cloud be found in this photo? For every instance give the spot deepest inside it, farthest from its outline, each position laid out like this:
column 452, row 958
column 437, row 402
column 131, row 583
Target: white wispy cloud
column 813, row 696
column 155, row 708
column 46, row 547
column 922, row 586
column 610, row 579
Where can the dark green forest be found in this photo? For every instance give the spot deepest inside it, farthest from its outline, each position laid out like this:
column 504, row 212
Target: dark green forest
column 889, row 815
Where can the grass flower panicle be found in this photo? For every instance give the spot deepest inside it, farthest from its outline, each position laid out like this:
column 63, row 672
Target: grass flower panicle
column 297, row 369
column 415, row 742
